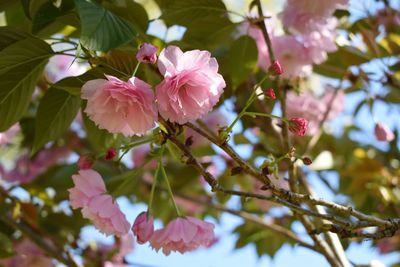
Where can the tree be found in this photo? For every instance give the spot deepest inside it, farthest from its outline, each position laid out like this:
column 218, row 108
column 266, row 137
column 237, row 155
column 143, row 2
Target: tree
column 93, row 108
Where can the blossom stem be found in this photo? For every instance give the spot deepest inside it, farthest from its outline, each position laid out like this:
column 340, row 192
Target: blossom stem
column 171, row 195
column 136, row 69
column 254, row 114
column 153, row 188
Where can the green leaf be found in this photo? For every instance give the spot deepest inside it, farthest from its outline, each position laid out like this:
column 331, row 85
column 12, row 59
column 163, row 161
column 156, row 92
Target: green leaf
column 21, row 65
column 101, row 29
column 131, row 11
column 188, row 12
column 56, row 111
column 242, row 59
column 10, row 35
column 338, row 62
column 48, row 13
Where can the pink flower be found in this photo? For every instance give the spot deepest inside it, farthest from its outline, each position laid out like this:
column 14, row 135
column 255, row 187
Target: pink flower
column 106, row 215
column 120, row 107
column 147, row 53
column 275, row 68
column 89, row 194
column 191, row 85
column 383, row 133
column 88, row 184
column 183, row 234
column 111, row 153
column 85, row 162
column 298, row 126
column 143, row 227
column 271, row 93
column 5, row 137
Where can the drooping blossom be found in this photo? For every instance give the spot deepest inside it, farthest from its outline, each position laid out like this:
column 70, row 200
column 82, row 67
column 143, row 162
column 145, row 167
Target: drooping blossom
column 147, row 53
column 27, row 255
column 213, row 120
column 383, row 133
column 5, row 137
column 143, row 227
column 191, row 85
column 89, row 193
column 182, row 235
column 62, row 66
column 120, row 107
column 85, row 162
column 308, row 106
column 298, row 126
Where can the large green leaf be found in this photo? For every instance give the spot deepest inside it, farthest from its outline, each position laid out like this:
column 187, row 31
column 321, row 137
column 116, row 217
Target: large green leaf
column 338, row 62
column 242, row 59
column 6, row 246
column 129, row 10
column 21, row 65
column 56, row 111
column 48, row 13
column 188, row 12
column 9, row 35
column 101, row 29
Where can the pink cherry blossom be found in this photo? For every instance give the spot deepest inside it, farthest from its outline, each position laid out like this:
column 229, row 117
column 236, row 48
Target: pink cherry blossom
column 383, row 133
column 89, row 194
column 61, row 66
column 298, row 126
column 5, row 137
column 88, row 184
column 143, row 227
column 147, row 53
column 182, row 235
column 191, row 85
column 120, row 107
column 106, row 215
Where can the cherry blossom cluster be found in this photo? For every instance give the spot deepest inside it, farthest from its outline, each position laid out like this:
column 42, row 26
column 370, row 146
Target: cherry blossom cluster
column 311, row 28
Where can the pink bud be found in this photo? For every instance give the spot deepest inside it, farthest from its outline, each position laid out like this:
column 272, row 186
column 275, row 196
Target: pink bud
column 85, row 162
column 275, row 68
column 111, row 153
column 271, row 93
column 298, row 126
column 143, row 227
column 147, row 53
column 383, row 133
